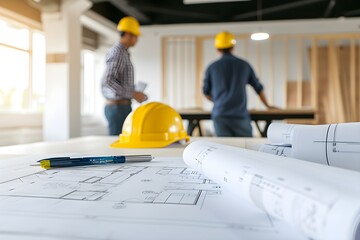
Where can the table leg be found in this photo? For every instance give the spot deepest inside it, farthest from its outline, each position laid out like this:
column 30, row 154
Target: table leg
column 193, row 123
column 268, row 122
column 191, row 126
column 262, row 132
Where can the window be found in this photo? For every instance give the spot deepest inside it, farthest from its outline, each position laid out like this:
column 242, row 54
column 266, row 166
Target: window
column 22, row 68
column 88, row 83
column 92, row 100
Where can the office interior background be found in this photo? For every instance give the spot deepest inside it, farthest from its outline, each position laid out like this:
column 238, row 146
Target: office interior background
column 52, row 57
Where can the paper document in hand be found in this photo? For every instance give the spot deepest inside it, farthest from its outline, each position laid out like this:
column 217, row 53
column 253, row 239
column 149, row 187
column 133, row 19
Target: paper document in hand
column 140, row 86
column 336, row 145
column 321, row 201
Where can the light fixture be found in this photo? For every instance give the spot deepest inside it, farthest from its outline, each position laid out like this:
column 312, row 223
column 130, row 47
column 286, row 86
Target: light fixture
column 259, row 36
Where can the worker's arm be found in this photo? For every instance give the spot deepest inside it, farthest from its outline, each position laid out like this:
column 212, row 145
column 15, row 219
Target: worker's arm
column 139, row 96
column 263, row 99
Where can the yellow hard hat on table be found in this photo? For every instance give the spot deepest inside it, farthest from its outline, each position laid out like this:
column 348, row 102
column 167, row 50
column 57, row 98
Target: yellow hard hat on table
column 151, row 125
column 129, row 24
column 224, row 40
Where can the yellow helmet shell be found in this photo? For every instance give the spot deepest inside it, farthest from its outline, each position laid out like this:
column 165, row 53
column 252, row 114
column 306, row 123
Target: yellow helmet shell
column 152, row 125
column 129, row 24
column 224, row 40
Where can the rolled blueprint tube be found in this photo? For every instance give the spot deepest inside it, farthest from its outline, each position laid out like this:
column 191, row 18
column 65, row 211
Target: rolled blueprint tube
column 335, row 145
column 321, row 201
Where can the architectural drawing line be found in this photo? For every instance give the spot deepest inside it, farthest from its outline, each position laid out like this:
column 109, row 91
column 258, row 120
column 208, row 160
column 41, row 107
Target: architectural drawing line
column 326, row 152
column 343, row 142
column 19, row 178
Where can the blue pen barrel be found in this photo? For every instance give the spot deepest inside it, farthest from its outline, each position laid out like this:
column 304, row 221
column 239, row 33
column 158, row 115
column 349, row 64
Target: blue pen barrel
column 74, row 162
column 119, row 159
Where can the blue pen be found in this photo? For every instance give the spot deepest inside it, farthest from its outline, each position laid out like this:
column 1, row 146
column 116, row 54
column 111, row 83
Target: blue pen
column 83, row 161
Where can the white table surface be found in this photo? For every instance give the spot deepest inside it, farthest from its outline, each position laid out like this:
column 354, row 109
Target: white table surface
column 100, row 145
column 163, row 199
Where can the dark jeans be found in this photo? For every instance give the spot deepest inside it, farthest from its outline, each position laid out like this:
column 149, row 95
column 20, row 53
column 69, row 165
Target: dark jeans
column 232, row 127
column 116, row 114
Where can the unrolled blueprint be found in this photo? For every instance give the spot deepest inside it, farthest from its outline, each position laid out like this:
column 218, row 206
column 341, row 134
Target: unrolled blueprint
column 333, row 144
column 320, row 201
column 163, row 199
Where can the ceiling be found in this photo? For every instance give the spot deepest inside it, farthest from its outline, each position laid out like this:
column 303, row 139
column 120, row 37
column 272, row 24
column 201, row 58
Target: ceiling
column 150, row 12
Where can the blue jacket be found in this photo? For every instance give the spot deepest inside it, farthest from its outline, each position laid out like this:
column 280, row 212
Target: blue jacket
column 225, row 81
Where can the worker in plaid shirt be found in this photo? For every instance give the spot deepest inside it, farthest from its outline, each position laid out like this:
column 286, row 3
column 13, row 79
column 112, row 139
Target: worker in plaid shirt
column 118, row 80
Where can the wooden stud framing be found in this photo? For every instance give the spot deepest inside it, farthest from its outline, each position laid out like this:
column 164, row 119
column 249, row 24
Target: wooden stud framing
column 299, row 87
column 271, row 77
column 258, row 67
column 335, row 82
column 314, row 75
column 199, row 69
column 340, row 94
column 352, row 81
column 285, row 39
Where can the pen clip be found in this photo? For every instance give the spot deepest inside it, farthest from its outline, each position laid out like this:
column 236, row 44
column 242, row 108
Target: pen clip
column 54, row 159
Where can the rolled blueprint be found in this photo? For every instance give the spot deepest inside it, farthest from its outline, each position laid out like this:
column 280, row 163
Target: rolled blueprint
column 322, row 202
column 279, row 133
column 284, row 151
column 332, row 144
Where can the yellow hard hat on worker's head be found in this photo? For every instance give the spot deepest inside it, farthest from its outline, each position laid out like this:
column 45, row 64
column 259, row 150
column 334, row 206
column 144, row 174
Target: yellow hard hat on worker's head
column 224, row 40
column 151, row 125
column 129, row 24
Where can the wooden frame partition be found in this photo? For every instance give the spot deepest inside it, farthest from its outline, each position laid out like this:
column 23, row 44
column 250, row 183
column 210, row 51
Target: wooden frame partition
column 334, row 85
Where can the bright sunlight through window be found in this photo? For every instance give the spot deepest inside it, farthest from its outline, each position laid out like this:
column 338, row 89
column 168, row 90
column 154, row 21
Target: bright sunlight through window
column 22, row 67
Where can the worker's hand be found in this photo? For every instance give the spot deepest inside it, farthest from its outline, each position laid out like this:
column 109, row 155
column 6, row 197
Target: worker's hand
column 273, row 107
column 140, row 97
column 209, row 97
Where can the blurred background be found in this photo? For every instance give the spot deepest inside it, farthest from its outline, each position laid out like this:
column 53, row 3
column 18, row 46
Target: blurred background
column 52, row 58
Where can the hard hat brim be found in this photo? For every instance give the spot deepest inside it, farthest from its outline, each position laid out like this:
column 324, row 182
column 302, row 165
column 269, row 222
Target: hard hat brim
column 145, row 144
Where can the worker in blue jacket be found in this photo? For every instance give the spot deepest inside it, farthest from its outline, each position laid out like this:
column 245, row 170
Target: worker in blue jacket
column 225, row 85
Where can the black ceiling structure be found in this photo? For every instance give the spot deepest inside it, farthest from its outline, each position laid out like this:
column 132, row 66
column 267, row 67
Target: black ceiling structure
column 150, row 12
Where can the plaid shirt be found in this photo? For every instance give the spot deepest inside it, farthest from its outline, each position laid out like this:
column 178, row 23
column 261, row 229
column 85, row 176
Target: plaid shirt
column 118, row 80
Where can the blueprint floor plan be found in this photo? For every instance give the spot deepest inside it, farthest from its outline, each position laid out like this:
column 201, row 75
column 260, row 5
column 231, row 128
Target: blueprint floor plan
column 163, row 199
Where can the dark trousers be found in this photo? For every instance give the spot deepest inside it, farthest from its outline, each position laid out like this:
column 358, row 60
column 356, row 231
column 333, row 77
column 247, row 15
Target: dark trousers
column 116, row 115
column 232, row 127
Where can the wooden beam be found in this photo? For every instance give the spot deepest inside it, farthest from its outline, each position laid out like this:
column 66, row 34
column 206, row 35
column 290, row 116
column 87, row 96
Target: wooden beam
column 271, row 77
column 335, row 82
column 199, row 70
column 258, row 68
column 314, row 77
column 352, row 81
column 299, row 87
column 286, row 40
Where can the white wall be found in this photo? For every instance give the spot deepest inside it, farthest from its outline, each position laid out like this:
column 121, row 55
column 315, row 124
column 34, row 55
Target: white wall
column 146, row 56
